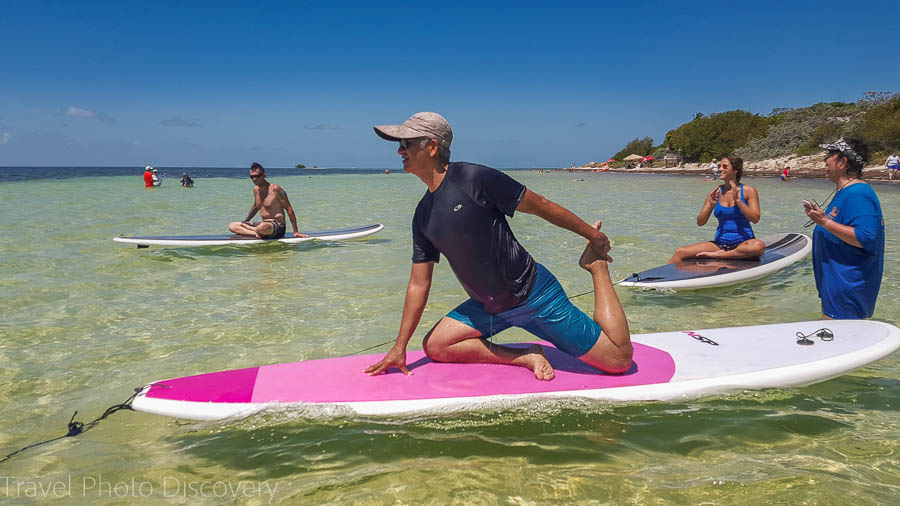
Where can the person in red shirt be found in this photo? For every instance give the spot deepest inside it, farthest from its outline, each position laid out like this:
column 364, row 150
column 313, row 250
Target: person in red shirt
column 785, row 174
column 148, row 177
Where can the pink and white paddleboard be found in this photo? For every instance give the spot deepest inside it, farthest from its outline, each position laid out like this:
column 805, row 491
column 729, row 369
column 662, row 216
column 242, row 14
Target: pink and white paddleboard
column 667, row 366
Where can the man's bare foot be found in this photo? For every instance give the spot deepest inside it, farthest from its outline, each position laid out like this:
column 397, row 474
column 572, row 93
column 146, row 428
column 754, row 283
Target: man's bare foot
column 590, row 260
column 710, row 254
column 535, row 360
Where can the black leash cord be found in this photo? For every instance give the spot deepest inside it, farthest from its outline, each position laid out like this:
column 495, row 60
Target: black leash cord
column 76, row 428
column 634, row 275
column 825, row 334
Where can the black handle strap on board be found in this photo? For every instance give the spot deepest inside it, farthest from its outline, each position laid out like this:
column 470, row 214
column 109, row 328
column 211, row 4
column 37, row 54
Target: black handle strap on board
column 825, row 334
column 75, row 427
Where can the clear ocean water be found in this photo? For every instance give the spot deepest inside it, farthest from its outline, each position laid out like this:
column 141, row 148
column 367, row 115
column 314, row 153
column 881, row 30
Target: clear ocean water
column 85, row 320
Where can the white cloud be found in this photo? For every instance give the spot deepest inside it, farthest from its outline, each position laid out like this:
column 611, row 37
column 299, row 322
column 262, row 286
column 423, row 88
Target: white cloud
column 76, row 112
column 4, row 138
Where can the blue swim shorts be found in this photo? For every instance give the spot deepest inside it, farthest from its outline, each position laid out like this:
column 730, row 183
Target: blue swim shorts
column 546, row 313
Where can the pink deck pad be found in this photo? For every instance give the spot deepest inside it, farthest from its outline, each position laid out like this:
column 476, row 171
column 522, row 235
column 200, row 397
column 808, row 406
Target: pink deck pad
column 336, row 380
column 225, row 386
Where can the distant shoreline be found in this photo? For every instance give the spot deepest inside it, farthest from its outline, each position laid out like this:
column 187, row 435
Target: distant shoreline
column 800, row 167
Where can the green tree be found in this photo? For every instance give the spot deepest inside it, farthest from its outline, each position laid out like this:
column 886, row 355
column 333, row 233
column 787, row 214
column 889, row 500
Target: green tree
column 780, row 140
column 829, row 120
column 880, row 126
column 707, row 137
column 638, row 146
column 874, row 98
column 800, row 130
column 299, row 166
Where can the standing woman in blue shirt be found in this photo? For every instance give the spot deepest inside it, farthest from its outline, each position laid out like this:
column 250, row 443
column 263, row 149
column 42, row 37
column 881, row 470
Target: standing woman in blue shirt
column 848, row 241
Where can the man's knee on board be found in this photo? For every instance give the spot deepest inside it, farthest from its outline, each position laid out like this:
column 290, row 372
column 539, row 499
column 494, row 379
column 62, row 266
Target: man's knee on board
column 619, row 358
column 433, row 349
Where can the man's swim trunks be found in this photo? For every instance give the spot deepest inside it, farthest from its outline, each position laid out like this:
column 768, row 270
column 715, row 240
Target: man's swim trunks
column 278, row 233
column 546, row 313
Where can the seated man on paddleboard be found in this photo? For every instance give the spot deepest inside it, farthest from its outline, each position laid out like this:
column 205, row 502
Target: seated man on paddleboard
column 735, row 205
column 271, row 202
column 462, row 216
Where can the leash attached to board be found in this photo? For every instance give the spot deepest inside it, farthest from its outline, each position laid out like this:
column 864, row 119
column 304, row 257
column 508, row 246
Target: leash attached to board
column 825, row 334
column 76, row 427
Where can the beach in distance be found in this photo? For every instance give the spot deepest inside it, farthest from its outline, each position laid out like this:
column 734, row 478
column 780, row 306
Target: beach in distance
column 86, row 320
column 810, row 167
column 800, row 166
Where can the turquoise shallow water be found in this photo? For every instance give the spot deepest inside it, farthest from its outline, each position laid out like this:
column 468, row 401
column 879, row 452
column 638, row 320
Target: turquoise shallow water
column 86, row 319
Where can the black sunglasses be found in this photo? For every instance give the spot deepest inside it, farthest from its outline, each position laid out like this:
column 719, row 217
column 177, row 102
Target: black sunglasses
column 404, row 143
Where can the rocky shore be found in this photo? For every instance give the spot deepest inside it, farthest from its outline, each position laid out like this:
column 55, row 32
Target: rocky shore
column 801, row 166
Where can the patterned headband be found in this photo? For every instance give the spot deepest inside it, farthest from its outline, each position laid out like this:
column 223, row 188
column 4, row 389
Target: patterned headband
column 842, row 147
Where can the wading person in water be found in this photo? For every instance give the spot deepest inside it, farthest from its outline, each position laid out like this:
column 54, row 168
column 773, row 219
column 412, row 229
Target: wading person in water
column 848, row 241
column 462, row 216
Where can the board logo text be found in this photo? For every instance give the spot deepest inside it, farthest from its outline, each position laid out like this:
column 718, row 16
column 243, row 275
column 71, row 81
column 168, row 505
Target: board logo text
column 702, row 339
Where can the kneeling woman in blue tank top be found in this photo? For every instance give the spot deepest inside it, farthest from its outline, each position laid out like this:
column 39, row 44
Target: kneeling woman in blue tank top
column 735, row 205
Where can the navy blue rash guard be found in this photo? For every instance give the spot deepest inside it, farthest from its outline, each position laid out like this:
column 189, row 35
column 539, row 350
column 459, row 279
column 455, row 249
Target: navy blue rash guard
column 465, row 220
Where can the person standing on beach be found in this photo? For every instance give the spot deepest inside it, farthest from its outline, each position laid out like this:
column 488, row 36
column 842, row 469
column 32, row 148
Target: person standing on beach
column 735, row 206
column 714, row 167
column 271, row 202
column 463, row 217
column 148, row 177
column 893, row 165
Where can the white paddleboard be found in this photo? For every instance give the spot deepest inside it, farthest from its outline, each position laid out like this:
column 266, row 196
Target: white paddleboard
column 339, row 234
column 694, row 273
column 667, row 366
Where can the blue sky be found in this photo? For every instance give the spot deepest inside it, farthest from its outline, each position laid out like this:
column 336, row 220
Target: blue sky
column 524, row 84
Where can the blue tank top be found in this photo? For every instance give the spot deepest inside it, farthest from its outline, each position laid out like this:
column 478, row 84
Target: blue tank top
column 734, row 227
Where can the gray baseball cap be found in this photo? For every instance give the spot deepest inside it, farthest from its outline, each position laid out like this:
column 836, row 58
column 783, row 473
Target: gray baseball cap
column 420, row 124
